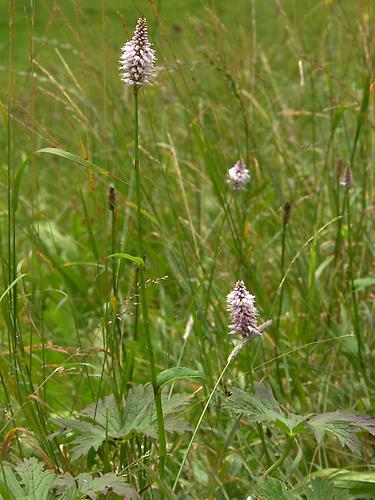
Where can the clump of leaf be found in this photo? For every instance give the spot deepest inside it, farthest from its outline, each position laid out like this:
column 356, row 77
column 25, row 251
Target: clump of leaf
column 323, row 490
column 87, row 486
column 360, row 483
column 28, row 480
column 263, row 407
column 269, row 488
column 343, row 426
column 105, row 421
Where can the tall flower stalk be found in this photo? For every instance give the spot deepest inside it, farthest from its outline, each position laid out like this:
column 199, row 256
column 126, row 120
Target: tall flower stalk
column 285, row 219
column 136, row 65
column 347, row 182
column 243, row 316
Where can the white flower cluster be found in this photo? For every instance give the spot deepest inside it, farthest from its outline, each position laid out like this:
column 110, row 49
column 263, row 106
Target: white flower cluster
column 137, row 59
column 238, row 176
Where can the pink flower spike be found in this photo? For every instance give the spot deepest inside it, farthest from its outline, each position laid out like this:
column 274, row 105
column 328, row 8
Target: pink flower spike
column 238, row 176
column 137, row 59
column 243, row 312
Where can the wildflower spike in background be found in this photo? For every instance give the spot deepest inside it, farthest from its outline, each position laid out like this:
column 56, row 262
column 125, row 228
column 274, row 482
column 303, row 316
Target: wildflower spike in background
column 238, row 176
column 136, row 64
column 138, row 57
column 241, row 306
column 347, row 180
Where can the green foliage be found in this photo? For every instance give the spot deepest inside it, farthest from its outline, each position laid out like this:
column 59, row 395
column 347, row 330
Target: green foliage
column 105, row 420
column 286, row 86
column 87, row 486
column 269, row 488
column 322, row 490
column 343, row 426
column 360, row 484
column 263, row 407
column 27, row 480
column 126, row 256
column 361, row 283
column 171, row 374
column 74, row 159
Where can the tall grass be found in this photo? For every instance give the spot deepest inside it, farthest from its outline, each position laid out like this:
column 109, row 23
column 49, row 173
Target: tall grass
column 286, row 86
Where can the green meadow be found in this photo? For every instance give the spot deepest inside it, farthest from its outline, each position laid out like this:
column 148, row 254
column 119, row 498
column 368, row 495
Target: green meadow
column 121, row 236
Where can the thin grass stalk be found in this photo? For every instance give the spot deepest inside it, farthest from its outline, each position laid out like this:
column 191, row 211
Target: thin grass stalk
column 34, row 185
column 10, row 320
column 136, row 316
column 355, row 315
column 157, row 393
column 11, row 412
column 115, row 325
column 197, row 427
column 259, row 426
column 113, row 250
column 110, row 348
column 113, row 329
column 196, row 312
column 340, row 216
column 280, row 305
column 15, row 341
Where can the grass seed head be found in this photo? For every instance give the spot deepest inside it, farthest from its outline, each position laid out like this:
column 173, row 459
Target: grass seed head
column 112, row 198
column 339, row 167
column 287, row 208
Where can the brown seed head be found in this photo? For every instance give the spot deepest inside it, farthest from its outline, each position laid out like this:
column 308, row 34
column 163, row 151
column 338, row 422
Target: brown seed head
column 347, row 180
column 339, row 167
column 287, row 208
column 112, row 198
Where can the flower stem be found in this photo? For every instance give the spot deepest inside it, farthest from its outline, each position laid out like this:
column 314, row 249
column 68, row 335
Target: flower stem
column 157, row 394
column 199, row 423
column 280, row 461
column 355, row 315
column 231, row 357
column 280, row 308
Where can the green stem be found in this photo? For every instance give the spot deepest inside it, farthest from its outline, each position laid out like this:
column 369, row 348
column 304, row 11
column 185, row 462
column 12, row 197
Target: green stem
column 340, row 217
column 259, row 426
column 197, row 427
column 157, row 394
column 231, row 357
column 263, row 441
column 355, row 314
column 277, row 337
column 280, row 461
column 113, row 250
